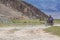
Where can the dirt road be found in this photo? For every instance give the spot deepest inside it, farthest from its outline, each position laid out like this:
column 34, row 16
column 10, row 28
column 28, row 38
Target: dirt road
column 26, row 33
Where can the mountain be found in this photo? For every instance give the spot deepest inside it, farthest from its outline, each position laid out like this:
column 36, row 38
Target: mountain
column 17, row 9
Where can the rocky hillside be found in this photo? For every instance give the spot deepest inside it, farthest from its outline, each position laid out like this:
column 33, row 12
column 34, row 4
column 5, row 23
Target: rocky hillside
column 17, row 9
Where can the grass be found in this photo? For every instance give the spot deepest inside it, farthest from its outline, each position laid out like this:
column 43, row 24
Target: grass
column 3, row 25
column 54, row 30
column 17, row 22
column 57, row 20
column 33, row 21
column 27, row 22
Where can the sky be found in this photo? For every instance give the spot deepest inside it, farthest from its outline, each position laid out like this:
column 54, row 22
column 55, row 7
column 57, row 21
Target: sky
column 49, row 7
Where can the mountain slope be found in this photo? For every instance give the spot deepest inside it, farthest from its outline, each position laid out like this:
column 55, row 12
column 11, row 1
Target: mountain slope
column 19, row 9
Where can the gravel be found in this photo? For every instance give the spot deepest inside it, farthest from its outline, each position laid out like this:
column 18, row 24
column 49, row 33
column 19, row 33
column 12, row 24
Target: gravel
column 26, row 33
